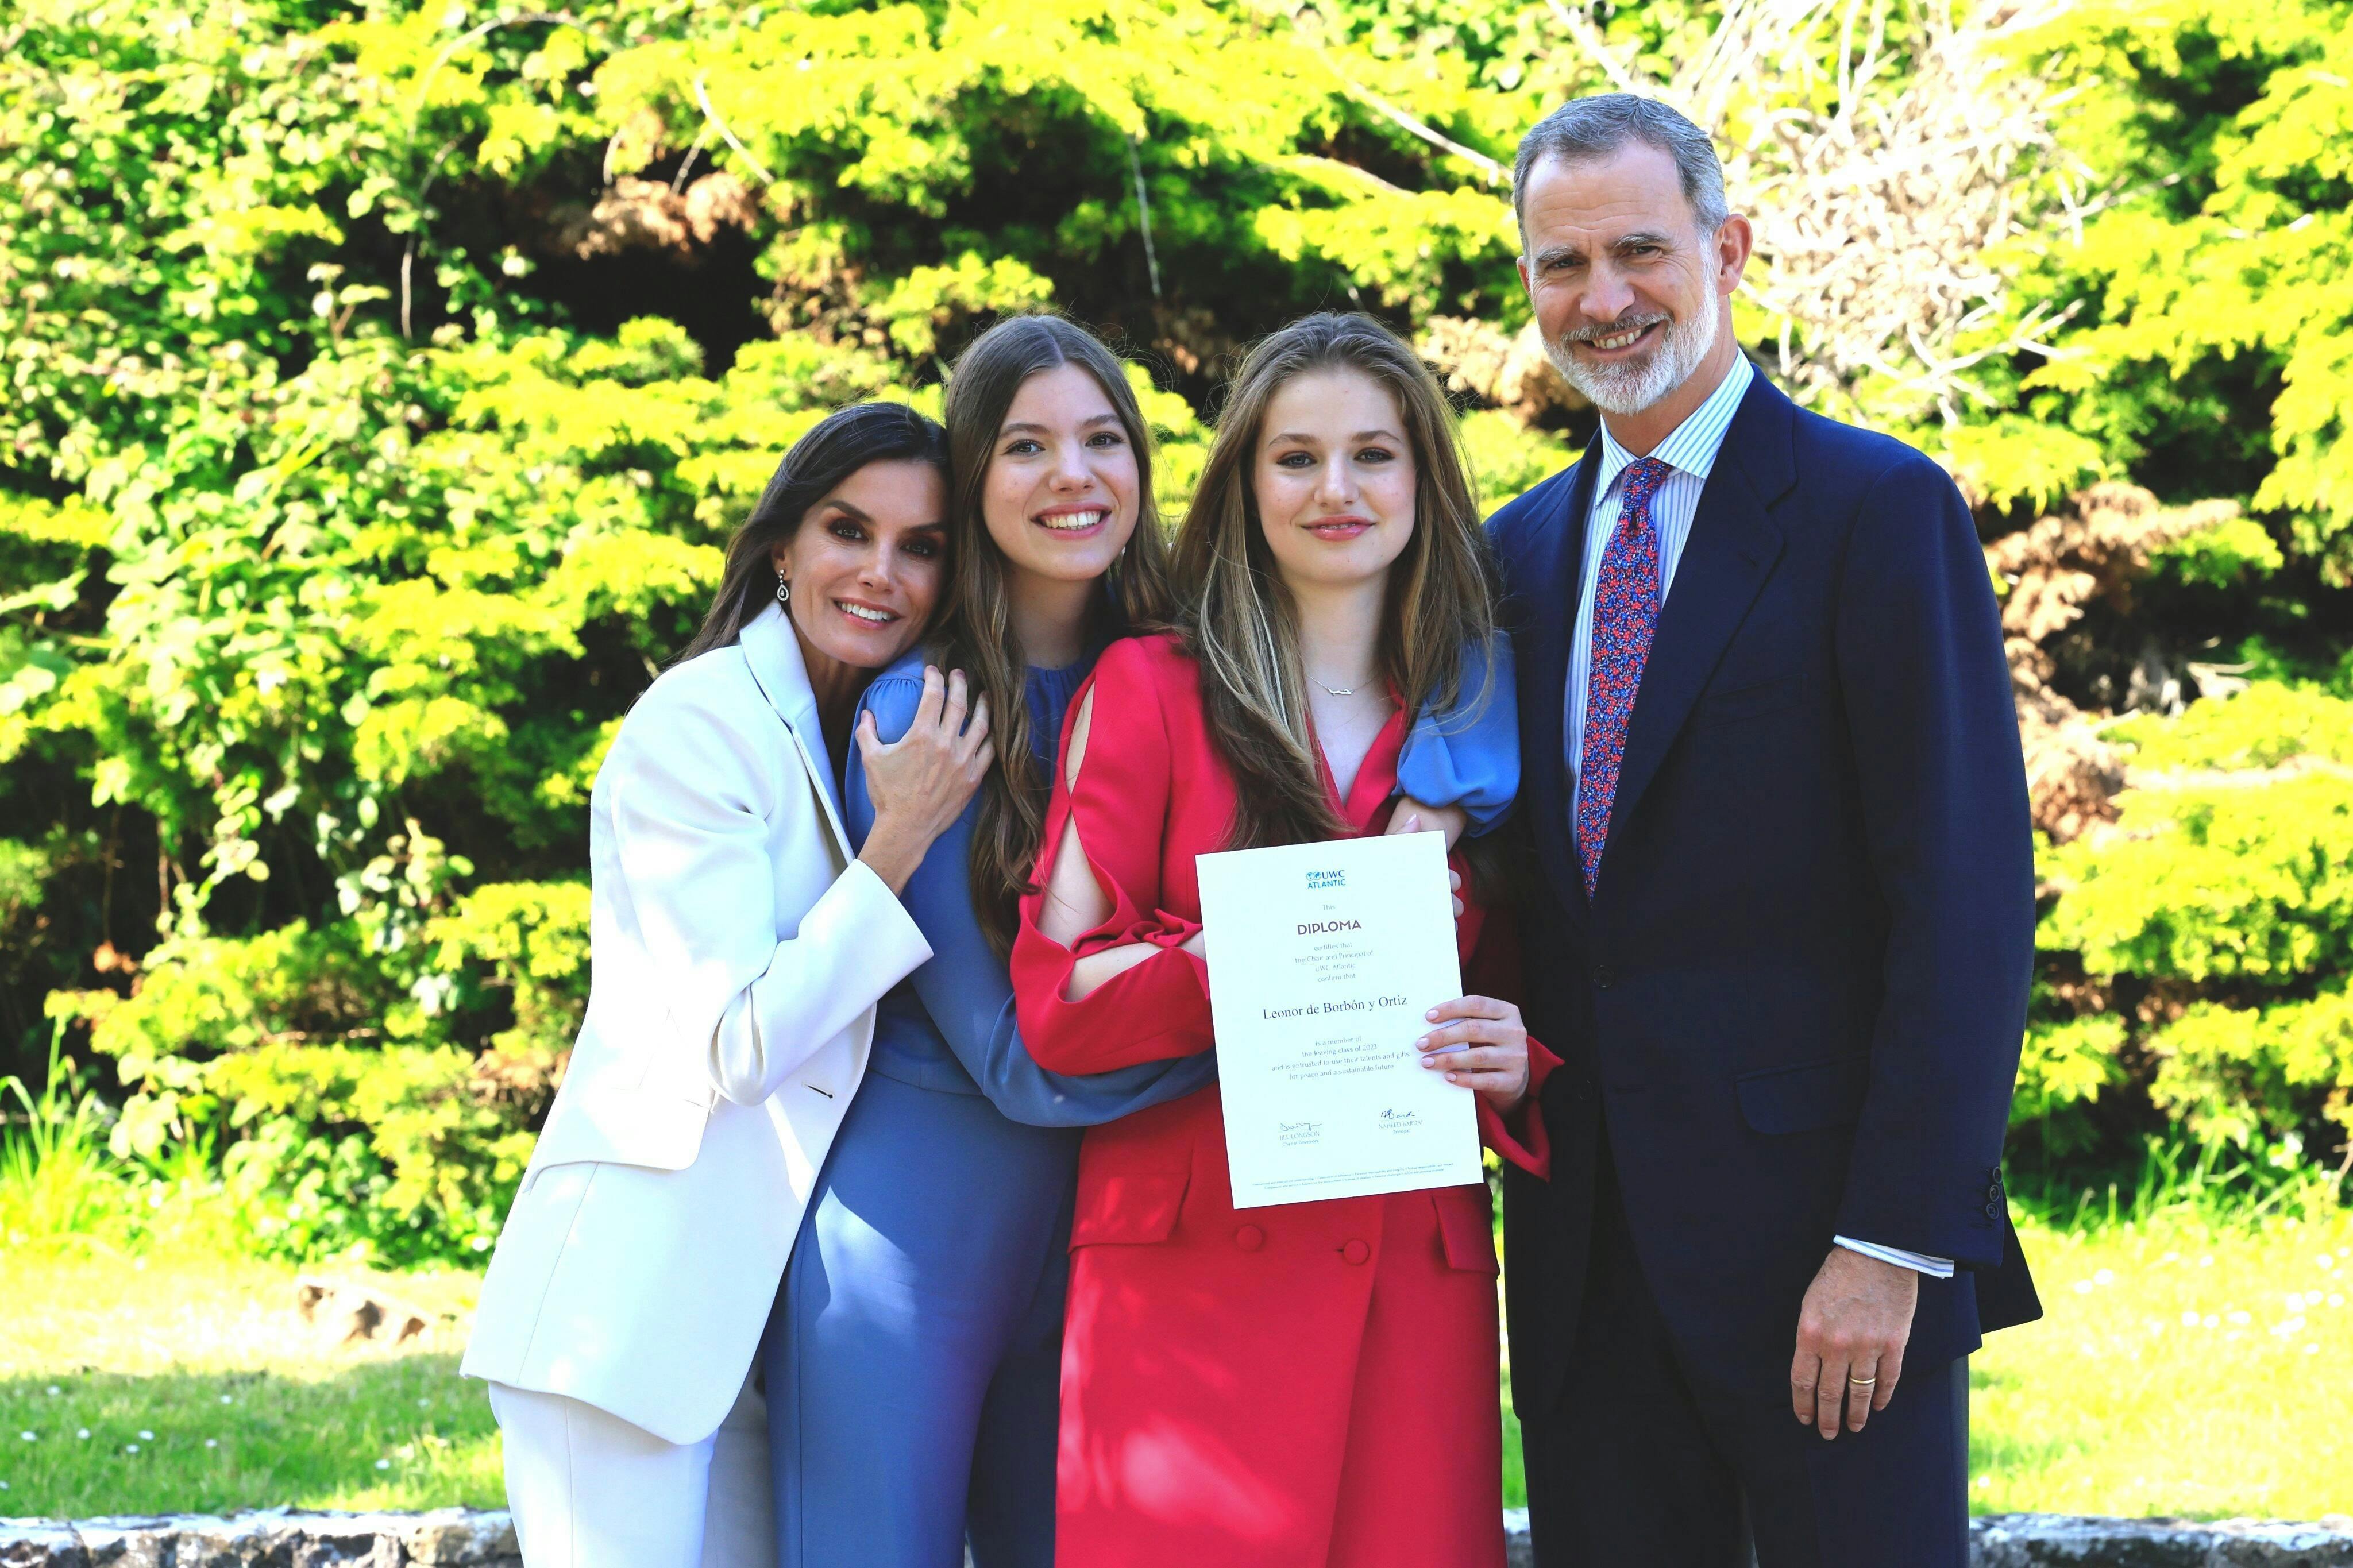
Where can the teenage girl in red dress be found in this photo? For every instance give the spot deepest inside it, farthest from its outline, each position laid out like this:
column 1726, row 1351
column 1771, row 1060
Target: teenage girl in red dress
column 1315, row 1382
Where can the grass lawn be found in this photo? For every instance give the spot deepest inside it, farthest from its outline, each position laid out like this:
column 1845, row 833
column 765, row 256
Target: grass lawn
column 191, row 1385
column 2177, row 1370
column 2180, row 1370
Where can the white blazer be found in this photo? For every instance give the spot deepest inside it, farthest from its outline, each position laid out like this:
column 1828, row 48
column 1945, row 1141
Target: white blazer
column 736, row 953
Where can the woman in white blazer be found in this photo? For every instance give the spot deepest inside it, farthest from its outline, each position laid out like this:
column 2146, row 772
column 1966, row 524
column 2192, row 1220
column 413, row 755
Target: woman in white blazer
column 737, row 950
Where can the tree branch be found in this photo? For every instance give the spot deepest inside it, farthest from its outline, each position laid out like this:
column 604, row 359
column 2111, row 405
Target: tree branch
column 558, row 18
column 1489, row 169
column 703, row 98
column 1579, row 27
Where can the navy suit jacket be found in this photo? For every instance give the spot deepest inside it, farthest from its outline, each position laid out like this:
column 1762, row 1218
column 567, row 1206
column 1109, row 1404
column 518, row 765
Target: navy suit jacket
column 1797, row 994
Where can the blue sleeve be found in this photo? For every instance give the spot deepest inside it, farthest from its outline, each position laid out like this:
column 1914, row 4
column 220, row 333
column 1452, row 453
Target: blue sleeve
column 892, row 697
column 1469, row 755
column 965, row 988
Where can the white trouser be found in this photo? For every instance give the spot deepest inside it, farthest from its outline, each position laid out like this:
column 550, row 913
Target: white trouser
column 590, row 1490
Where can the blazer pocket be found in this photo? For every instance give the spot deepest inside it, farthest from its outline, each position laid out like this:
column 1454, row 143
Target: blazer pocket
column 1749, row 701
column 1467, row 1230
column 1130, row 1209
column 1804, row 1098
column 624, row 1127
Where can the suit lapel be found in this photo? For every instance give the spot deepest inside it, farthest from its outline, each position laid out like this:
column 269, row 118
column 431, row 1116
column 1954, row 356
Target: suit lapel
column 1733, row 545
column 774, row 656
column 1550, row 574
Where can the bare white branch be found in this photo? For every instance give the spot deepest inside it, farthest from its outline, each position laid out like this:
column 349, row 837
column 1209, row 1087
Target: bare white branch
column 1885, row 154
column 1579, row 27
column 1489, row 169
column 703, row 97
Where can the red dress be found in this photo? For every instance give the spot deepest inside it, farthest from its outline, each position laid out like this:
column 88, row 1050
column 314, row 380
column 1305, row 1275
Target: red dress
column 1310, row 1383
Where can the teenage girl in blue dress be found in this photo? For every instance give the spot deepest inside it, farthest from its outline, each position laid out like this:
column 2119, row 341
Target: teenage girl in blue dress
column 914, row 1361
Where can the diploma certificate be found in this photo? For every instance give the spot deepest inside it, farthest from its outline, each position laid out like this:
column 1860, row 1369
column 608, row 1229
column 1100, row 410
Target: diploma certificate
column 1323, row 959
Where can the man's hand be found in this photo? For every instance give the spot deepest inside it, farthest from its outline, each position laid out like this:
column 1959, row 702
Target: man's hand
column 1851, row 1337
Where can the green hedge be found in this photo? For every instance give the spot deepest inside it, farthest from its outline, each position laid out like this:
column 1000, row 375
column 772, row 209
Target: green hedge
column 378, row 385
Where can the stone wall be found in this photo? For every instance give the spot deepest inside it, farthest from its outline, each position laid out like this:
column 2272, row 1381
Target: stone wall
column 2035, row 1540
column 459, row 1538
column 448, row 1537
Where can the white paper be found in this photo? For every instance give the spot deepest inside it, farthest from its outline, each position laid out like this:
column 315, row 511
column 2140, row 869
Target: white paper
column 1323, row 960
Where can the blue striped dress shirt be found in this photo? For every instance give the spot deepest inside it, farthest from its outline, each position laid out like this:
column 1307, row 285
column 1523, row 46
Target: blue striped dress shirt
column 1690, row 451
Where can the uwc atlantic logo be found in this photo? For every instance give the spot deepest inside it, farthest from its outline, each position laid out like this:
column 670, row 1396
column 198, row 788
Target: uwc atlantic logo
column 1319, row 881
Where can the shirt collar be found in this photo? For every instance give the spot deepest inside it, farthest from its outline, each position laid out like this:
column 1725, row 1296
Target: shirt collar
column 1691, row 446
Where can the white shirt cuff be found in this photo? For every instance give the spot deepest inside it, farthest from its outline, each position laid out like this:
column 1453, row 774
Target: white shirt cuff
column 1920, row 1262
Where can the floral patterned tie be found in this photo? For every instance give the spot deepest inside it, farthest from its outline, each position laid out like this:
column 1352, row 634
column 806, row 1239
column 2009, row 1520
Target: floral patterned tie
column 1625, row 617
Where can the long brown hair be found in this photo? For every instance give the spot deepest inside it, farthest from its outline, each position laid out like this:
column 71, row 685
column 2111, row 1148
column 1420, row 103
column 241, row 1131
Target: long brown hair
column 1240, row 621
column 977, row 634
column 832, row 450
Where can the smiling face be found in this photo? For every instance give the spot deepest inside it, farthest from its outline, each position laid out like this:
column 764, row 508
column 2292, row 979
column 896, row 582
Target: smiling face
column 1629, row 292
column 866, row 563
column 1334, row 479
column 1061, row 496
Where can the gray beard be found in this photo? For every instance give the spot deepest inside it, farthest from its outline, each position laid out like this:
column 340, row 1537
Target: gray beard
column 1629, row 387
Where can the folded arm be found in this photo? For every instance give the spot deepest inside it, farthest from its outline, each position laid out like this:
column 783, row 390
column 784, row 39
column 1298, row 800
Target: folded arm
column 965, row 988
column 1103, row 976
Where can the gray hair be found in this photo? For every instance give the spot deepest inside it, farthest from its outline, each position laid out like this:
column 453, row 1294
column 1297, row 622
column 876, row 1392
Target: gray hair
column 1585, row 129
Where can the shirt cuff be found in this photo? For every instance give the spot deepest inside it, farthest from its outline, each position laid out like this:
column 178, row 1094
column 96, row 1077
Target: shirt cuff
column 1919, row 1262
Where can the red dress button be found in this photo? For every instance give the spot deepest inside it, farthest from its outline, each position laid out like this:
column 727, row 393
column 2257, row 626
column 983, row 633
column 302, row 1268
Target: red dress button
column 1355, row 1252
column 1250, row 1239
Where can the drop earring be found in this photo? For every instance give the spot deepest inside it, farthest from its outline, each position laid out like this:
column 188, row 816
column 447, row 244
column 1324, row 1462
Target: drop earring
column 784, row 589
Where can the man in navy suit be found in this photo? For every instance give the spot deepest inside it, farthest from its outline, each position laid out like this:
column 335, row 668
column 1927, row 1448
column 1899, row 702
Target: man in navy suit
column 1786, row 926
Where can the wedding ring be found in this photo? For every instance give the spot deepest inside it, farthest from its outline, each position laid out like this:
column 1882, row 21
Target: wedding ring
column 1863, row 1382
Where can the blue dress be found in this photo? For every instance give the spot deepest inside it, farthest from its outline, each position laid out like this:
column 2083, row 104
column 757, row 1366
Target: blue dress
column 914, row 1361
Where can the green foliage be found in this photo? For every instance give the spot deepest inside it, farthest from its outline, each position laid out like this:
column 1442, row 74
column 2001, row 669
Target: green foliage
column 55, row 1179
column 2263, row 727
column 2226, row 896
column 336, row 543
column 1507, row 458
column 2225, row 129
column 2207, row 883
column 2067, row 1062
column 2241, row 1073
column 22, row 870
column 64, row 1192
column 383, row 381
column 2012, row 458
column 2209, row 355
column 2220, row 556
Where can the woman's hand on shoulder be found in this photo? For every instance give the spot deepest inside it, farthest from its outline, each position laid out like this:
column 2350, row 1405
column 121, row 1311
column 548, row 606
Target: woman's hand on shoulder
column 921, row 783
column 1480, row 1043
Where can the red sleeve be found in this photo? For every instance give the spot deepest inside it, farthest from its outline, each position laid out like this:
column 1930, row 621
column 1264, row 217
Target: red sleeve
column 1160, row 1008
column 1490, row 967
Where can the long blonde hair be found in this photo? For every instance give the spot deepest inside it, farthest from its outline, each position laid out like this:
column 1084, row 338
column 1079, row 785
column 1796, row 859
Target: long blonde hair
column 1240, row 621
column 977, row 633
